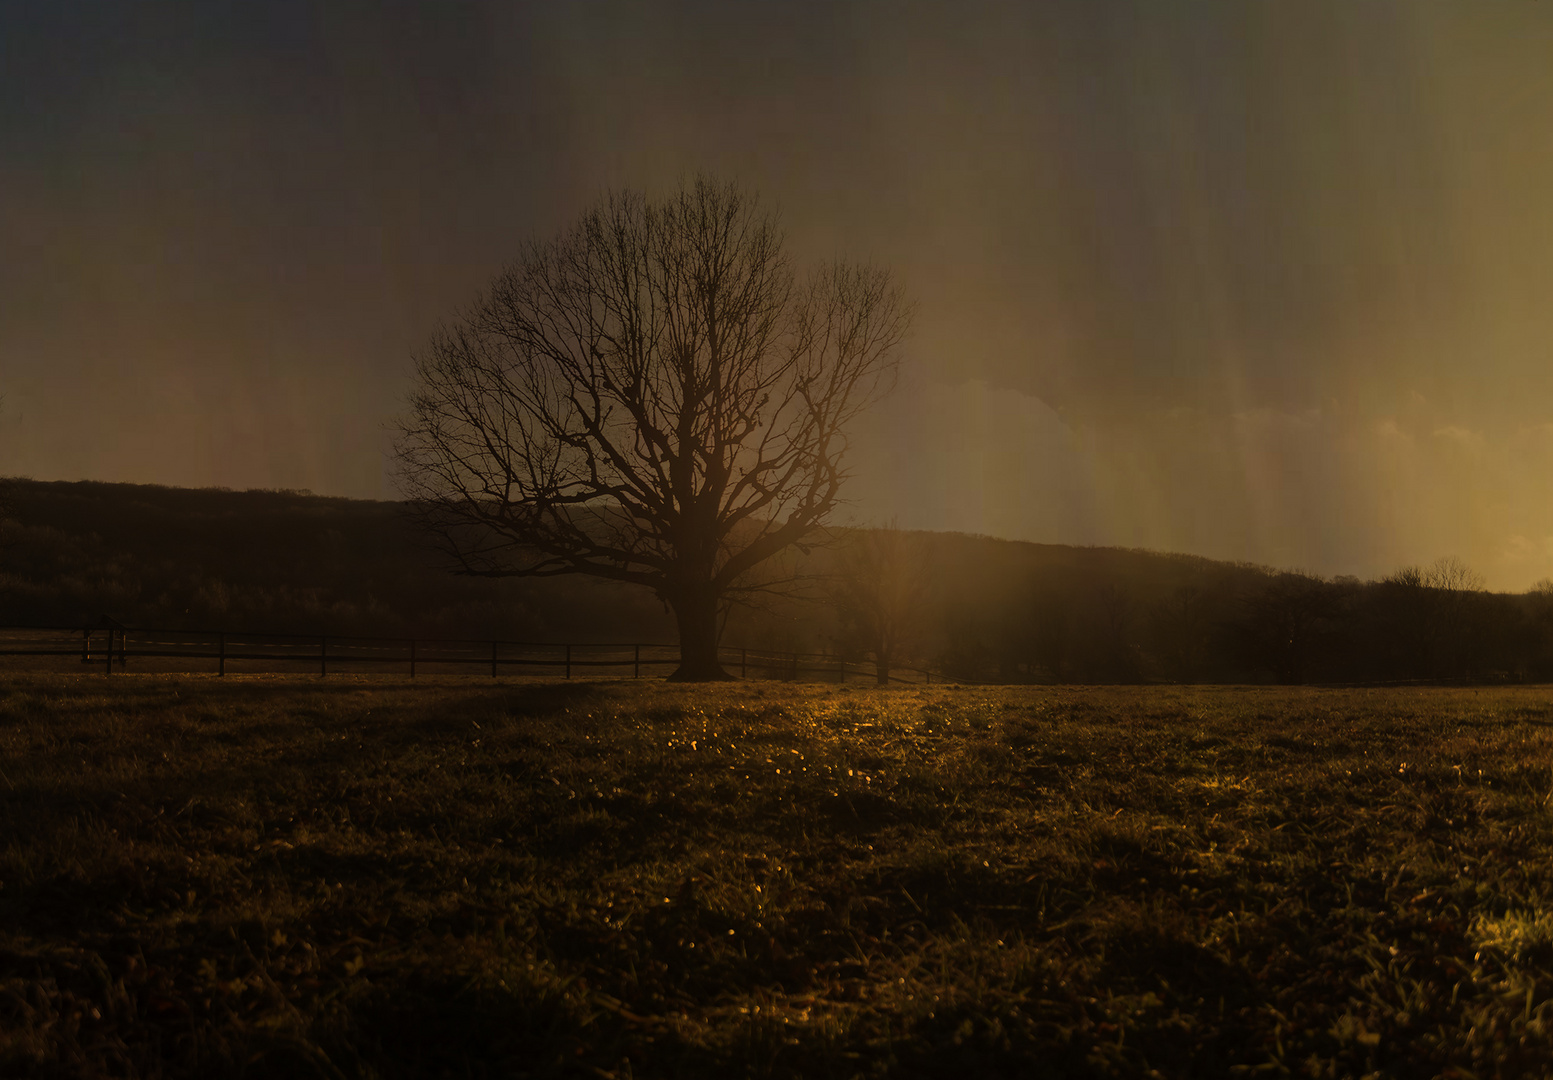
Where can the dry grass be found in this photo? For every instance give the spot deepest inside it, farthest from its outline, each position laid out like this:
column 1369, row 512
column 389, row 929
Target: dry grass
column 283, row 877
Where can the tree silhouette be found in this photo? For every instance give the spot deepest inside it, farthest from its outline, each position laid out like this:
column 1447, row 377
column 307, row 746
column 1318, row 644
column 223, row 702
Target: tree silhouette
column 879, row 595
column 652, row 397
column 1288, row 624
column 1182, row 630
column 1539, row 618
column 7, row 488
column 1429, row 617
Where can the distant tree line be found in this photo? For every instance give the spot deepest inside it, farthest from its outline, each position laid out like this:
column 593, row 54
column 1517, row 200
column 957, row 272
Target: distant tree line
column 973, row 608
column 1129, row 617
column 272, row 560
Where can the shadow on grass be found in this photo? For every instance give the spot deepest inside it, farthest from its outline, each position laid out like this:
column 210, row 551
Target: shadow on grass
column 532, row 701
column 453, row 1027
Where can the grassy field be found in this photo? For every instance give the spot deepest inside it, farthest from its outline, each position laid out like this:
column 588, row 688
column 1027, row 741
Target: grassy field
column 288, row 877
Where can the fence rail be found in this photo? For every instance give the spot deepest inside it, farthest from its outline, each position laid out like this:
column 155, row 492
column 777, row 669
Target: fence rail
column 114, row 647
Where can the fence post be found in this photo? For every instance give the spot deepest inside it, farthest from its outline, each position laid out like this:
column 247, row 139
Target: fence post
column 323, row 655
column 110, row 650
column 568, row 661
column 493, row 659
column 412, row 658
column 86, row 646
column 841, row 670
column 636, row 662
column 744, row 663
column 221, row 643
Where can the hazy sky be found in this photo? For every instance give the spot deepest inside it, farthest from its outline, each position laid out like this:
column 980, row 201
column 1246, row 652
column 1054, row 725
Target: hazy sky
column 1266, row 281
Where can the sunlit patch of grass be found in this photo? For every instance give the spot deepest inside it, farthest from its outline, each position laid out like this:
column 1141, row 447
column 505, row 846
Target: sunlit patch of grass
column 358, row 878
column 1519, row 936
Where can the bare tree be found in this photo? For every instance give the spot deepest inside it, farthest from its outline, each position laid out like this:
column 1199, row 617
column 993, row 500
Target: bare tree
column 7, row 488
column 1289, row 623
column 879, row 595
column 1449, row 574
column 1182, row 627
column 1430, row 613
column 653, row 397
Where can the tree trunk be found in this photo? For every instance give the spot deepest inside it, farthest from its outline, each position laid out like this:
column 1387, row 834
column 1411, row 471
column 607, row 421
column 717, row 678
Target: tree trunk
column 882, row 668
column 696, row 613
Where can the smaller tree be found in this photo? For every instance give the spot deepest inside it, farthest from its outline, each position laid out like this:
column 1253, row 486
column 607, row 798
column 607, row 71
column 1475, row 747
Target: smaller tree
column 1463, row 629
column 7, row 486
column 1182, row 630
column 1428, row 617
column 879, row 595
column 1289, row 624
column 7, row 508
column 1046, row 637
column 1114, row 655
column 1539, row 627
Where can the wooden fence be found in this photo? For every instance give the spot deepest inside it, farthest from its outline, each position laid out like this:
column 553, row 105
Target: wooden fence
column 115, row 647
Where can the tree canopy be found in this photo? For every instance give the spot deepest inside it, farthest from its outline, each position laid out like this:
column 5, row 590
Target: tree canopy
column 653, row 396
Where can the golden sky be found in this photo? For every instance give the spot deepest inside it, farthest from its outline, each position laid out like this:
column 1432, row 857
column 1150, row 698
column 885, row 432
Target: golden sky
column 1255, row 281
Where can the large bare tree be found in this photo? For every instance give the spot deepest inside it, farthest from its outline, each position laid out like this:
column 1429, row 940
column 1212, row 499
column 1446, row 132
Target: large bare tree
column 653, row 397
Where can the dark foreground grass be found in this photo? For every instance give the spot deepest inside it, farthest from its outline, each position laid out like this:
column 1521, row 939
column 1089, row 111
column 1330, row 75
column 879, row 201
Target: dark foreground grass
column 292, row 878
